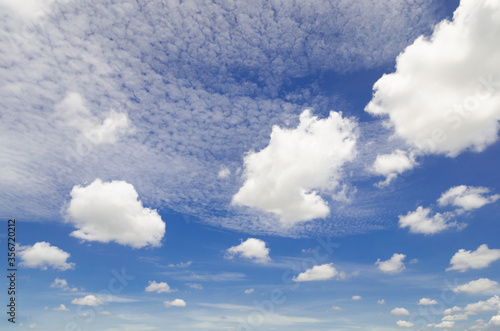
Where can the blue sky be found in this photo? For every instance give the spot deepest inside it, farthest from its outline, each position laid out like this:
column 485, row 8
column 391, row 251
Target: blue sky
column 265, row 165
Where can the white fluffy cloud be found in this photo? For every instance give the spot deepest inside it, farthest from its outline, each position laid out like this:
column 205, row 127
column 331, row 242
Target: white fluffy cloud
column 400, row 312
column 336, row 308
column 419, row 221
column 252, row 249
column 427, row 302
column 89, row 300
column 467, row 197
column 442, row 99
column 481, row 258
column 477, row 286
column 392, row 266
column 356, row 297
column 287, row 177
column 404, row 324
column 42, row 255
column 175, row 303
column 160, row 287
column 475, row 308
column 391, row 165
column 111, row 211
column 381, row 301
column 318, row 272
column 250, row 290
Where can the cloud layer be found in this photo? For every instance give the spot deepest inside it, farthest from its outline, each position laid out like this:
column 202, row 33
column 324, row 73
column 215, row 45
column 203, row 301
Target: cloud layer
column 179, row 92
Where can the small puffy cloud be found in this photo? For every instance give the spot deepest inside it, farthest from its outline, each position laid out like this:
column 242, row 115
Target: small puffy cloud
column 392, row 266
column 443, row 97
column 467, row 197
column 224, row 172
column 287, row 177
column 111, row 211
column 475, row 308
column 60, row 283
column 450, row 311
column 481, row 258
column 252, row 249
column 381, row 301
column 42, row 255
column 160, row 287
column 195, row 286
column 336, row 308
column 318, row 272
column 427, row 302
column 356, row 297
column 391, row 165
column 63, row 284
column 32, row 326
column 460, row 317
column 89, row 300
column 477, row 286
column 175, row 303
column 419, row 221
column 104, row 312
column 61, row 308
column 250, row 290
column 404, row 324
column 400, row 312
